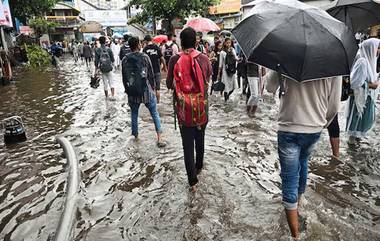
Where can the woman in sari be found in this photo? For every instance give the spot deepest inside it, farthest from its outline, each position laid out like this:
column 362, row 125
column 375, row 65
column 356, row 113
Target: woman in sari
column 364, row 82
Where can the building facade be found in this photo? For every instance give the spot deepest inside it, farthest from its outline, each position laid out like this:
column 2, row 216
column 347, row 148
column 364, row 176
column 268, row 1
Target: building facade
column 67, row 15
column 226, row 14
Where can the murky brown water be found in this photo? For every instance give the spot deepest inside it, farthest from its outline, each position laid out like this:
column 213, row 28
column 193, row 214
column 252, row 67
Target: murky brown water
column 136, row 191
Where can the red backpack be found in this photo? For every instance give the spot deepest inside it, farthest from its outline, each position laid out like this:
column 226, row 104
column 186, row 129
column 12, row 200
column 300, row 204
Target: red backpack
column 190, row 102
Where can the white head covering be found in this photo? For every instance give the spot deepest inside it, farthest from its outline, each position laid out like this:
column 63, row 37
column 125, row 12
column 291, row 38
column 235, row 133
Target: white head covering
column 364, row 70
column 368, row 50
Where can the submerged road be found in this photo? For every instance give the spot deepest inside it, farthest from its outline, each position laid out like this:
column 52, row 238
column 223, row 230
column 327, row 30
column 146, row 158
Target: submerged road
column 136, row 191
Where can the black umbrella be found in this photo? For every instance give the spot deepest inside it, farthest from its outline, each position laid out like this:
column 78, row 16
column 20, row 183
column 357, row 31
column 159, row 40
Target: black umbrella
column 300, row 41
column 357, row 14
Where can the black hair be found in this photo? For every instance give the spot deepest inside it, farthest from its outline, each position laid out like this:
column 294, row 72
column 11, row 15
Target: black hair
column 126, row 37
column 102, row 40
column 170, row 36
column 225, row 45
column 188, row 38
column 133, row 43
column 148, row 38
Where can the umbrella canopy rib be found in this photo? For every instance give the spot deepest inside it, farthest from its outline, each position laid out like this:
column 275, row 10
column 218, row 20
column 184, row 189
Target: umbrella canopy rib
column 305, row 47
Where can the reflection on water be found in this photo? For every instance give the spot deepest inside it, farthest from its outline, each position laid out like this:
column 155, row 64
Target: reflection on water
column 135, row 191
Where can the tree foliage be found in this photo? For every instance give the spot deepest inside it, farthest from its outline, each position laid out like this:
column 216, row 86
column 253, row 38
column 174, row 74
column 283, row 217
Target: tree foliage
column 38, row 57
column 170, row 9
column 23, row 10
column 42, row 26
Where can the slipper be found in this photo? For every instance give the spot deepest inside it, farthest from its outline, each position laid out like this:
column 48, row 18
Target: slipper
column 161, row 144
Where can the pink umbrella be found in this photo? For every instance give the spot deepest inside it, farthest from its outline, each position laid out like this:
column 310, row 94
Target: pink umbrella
column 160, row 38
column 203, row 25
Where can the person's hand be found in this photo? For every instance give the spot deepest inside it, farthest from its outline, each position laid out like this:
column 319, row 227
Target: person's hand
column 158, row 96
column 373, row 85
column 165, row 68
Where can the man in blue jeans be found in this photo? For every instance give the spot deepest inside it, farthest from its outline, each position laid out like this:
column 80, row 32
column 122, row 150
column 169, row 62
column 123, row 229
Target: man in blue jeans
column 148, row 96
column 305, row 109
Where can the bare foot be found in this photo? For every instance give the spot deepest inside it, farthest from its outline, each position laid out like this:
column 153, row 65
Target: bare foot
column 193, row 189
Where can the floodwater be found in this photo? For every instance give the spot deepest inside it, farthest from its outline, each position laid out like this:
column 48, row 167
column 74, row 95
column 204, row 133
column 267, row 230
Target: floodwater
column 135, row 191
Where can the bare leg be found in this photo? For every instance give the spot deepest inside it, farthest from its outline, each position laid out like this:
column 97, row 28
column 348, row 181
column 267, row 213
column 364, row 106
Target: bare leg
column 292, row 218
column 335, row 142
column 252, row 110
column 106, row 93
column 113, row 92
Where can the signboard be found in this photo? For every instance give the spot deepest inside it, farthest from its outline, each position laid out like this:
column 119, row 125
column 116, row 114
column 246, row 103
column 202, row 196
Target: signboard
column 5, row 14
column 107, row 18
column 45, row 41
column 91, row 27
column 225, row 7
column 26, row 30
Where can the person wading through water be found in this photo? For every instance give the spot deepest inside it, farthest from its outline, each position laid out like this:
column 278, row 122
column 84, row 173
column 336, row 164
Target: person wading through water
column 305, row 109
column 140, row 85
column 104, row 62
column 227, row 68
column 155, row 55
column 188, row 75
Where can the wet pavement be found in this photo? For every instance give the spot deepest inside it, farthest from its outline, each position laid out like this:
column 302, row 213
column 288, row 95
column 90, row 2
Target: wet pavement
column 136, row 191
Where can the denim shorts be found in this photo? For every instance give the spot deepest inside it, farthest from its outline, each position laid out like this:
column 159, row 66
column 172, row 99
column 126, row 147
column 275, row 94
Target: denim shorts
column 294, row 150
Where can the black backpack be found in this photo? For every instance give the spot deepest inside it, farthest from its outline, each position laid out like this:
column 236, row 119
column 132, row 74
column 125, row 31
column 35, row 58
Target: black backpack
column 124, row 50
column 134, row 75
column 168, row 52
column 105, row 63
column 230, row 63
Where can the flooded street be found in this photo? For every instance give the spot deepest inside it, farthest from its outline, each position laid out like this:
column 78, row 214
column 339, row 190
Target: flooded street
column 133, row 190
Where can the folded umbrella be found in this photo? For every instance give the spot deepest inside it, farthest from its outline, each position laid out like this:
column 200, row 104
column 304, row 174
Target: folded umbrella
column 160, row 39
column 203, row 25
column 298, row 40
column 357, row 14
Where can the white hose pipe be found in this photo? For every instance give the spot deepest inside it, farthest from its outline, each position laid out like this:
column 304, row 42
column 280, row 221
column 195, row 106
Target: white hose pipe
column 65, row 227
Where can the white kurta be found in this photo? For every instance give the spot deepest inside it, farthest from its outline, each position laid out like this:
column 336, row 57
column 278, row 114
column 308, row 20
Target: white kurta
column 116, row 51
column 230, row 82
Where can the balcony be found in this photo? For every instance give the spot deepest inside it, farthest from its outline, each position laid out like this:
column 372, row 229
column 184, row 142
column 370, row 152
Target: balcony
column 65, row 21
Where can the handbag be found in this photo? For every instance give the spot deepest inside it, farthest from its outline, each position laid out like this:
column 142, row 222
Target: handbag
column 218, row 86
column 95, row 79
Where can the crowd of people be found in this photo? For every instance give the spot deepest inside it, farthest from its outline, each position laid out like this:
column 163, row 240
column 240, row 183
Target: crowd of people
column 196, row 69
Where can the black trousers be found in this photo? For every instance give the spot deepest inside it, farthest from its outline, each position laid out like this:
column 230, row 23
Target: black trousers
column 191, row 136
